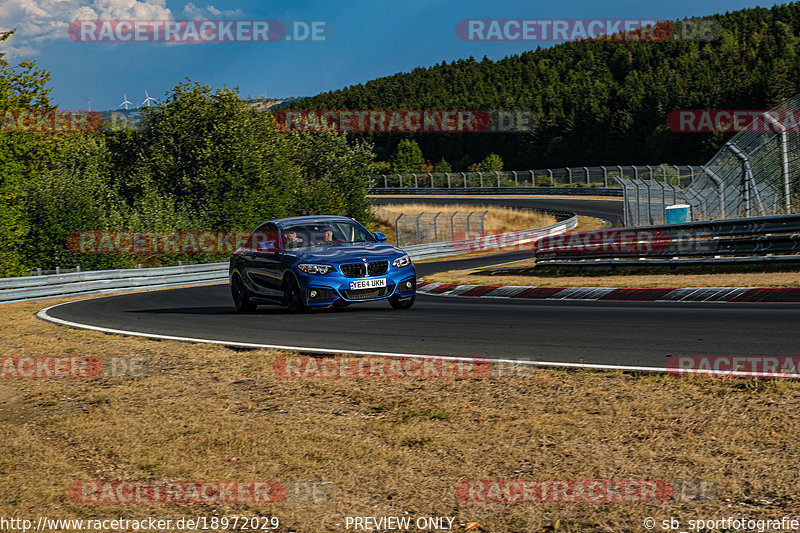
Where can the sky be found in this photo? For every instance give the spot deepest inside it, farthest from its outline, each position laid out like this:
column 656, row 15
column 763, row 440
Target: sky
column 366, row 39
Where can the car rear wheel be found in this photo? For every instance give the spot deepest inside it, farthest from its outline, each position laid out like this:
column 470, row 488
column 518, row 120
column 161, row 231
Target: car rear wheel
column 294, row 300
column 241, row 296
column 397, row 303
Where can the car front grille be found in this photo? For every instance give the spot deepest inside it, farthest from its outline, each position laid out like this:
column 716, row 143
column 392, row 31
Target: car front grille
column 354, row 270
column 377, row 268
column 366, row 294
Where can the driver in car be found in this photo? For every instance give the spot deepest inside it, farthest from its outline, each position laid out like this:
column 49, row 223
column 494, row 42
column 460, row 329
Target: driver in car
column 291, row 239
column 327, row 236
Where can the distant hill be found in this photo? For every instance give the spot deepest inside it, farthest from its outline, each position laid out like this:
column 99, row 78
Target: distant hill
column 598, row 102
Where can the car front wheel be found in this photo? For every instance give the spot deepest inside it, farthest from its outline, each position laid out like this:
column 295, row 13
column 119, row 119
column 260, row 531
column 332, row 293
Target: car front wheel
column 294, row 300
column 397, row 303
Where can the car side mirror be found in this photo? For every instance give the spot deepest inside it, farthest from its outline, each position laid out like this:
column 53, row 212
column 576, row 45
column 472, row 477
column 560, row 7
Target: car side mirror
column 380, row 236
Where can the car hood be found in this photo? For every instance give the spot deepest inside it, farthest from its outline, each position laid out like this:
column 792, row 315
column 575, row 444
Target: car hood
column 345, row 252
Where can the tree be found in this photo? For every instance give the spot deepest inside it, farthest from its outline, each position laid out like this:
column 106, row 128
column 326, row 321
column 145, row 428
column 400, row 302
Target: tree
column 491, row 163
column 442, row 166
column 21, row 87
column 407, row 158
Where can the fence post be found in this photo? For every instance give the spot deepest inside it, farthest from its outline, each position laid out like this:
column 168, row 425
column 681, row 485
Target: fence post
column 468, row 217
column 552, row 179
column 435, row 229
column 416, row 181
column 785, row 162
column 448, row 179
column 452, row 227
column 533, row 178
column 480, row 175
column 482, row 217
column 516, row 180
column 569, row 173
column 588, row 181
column 605, row 176
column 649, row 168
column 397, row 229
column 430, row 176
column 664, row 171
column 401, row 180
column 621, row 175
column 417, row 224
column 38, row 271
column 464, row 175
column 678, row 175
column 721, row 186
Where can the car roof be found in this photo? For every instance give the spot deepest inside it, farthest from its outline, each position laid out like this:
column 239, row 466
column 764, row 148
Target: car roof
column 311, row 219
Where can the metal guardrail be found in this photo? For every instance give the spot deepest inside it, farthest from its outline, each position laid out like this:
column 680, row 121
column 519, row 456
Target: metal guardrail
column 104, row 281
column 567, row 191
column 488, row 242
column 762, row 239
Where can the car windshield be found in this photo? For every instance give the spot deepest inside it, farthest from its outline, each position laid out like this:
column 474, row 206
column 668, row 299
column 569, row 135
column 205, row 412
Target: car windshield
column 324, row 233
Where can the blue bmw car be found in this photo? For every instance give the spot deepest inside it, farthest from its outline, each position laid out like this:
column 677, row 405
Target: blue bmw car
column 317, row 262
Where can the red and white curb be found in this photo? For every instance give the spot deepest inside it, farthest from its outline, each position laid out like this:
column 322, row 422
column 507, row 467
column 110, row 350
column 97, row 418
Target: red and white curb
column 684, row 294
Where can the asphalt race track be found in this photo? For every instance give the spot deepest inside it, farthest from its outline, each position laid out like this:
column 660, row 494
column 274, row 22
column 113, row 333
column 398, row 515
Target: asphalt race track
column 630, row 334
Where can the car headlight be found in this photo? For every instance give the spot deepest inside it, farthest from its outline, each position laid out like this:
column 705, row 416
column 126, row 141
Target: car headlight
column 401, row 261
column 315, row 269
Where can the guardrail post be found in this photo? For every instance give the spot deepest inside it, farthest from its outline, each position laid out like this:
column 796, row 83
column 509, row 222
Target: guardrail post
column 605, row 176
column 435, row 229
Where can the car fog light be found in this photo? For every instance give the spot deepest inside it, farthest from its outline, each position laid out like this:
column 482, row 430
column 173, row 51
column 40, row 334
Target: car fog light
column 313, row 294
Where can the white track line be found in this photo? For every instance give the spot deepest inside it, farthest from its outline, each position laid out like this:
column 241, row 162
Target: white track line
column 43, row 314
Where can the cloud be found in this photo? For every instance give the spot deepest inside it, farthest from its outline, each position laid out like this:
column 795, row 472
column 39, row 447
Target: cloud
column 37, row 21
column 196, row 12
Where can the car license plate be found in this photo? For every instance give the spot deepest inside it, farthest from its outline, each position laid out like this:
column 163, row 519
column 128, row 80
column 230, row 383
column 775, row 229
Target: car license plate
column 368, row 283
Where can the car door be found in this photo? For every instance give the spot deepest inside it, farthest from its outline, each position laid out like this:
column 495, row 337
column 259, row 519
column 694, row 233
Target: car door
column 265, row 266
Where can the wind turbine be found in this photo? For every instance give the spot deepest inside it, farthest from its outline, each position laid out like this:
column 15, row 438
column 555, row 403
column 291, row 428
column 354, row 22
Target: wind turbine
column 125, row 102
column 148, row 99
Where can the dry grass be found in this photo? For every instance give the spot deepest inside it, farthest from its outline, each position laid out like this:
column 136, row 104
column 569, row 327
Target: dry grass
column 390, row 448
column 497, row 218
column 522, row 274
